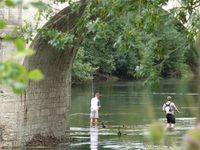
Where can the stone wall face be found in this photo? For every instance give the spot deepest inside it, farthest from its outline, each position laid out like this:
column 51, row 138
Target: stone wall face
column 43, row 111
column 44, row 107
column 46, row 104
column 6, row 50
column 13, row 16
column 9, row 103
column 9, row 115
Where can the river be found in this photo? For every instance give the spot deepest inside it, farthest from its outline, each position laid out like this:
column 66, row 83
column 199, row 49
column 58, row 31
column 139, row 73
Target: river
column 129, row 108
column 128, row 111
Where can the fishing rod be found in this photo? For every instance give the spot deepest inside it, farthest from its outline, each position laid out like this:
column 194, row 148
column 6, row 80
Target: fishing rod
column 92, row 85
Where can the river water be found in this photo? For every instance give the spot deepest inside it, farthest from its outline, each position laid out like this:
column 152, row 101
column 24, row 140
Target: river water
column 128, row 110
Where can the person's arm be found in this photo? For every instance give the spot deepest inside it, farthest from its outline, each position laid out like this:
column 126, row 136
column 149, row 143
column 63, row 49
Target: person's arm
column 91, row 104
column 163, row 108
column 99, row 104
column 176, row 109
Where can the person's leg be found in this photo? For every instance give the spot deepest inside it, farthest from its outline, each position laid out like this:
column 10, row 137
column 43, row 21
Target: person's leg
column 91, row 122
column 96, row 118
column 96, row 121
column 92, row 118
column 168, row 121
column 168, row 125
column 172, row 126
column 173, row 122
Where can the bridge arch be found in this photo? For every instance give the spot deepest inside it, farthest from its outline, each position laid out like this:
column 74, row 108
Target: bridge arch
column 44, row 108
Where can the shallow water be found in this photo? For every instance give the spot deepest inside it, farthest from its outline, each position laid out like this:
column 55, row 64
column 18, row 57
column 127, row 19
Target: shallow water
column 129, row 108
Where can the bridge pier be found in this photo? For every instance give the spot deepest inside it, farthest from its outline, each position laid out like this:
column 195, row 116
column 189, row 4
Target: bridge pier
column 44, row 108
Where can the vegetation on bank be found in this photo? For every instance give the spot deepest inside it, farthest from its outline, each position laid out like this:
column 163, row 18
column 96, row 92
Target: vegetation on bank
column 127, row 40
column 113, row 48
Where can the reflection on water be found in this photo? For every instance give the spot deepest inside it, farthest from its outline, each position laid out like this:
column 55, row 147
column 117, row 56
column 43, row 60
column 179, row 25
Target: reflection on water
column 132, row 137
column 94, row 138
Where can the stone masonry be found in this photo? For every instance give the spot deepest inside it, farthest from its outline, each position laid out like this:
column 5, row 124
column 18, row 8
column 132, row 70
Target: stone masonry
column 44, row 107
column 9, row 103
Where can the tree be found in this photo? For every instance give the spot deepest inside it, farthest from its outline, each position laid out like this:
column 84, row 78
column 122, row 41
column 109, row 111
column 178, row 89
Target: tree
column 60, row 38
column 123, row 49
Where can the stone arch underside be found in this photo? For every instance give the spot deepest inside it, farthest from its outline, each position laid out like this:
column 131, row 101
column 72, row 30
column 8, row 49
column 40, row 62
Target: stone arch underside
column 44, row 108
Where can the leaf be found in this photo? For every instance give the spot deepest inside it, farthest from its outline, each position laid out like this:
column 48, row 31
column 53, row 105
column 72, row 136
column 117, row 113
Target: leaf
column 35, row 75
column 182, row 16
column 2, row 67
column 2, row 24
column 18, row 87
column 20, row 45
column 10, row 3
column 27, row 52
column 40, row 5
column 156, row 133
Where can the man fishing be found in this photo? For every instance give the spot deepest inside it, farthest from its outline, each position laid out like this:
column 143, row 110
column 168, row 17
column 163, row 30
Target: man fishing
column 95, row 105
column 169, row 107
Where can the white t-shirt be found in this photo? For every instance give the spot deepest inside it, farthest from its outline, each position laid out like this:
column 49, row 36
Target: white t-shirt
column 169, row 107
column 95, row 103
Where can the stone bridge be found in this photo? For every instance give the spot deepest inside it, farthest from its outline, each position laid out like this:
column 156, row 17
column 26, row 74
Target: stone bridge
column 44, row 107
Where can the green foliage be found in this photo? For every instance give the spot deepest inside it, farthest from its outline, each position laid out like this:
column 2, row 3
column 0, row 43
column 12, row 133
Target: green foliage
column 58, row 39
column 156, row 134
column 188, row 14
column 2, row 24
column 15, row 75
column 60, row 1
column 82, row 71
column 100, row 56
column 121, row 35
column 35, row 75
column 40, row 5
column 20, row 45
column 132, row 35
column 9, row 3
column 29, row 30
column 144, row 36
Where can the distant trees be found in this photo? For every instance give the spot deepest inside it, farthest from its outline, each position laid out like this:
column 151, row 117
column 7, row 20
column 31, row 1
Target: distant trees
column 138, row 42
